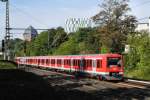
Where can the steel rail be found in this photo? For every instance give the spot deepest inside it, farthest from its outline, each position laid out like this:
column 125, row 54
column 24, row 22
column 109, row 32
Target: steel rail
column 137, row 81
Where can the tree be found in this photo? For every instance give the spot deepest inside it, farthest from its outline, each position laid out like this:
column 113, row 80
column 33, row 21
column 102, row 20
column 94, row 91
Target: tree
column 114, row 24
column 59, row 37
column 18, row 47
column 87, row 41
column 67, row 48
column 84, row 41
column 138, row 60
column 40, row 46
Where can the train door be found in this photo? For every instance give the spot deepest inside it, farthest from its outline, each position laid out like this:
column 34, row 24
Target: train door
column 82, row 65
column 94, row 61
column 76, row 64
column 99, row 65
column 71, row 65
column 62, row 65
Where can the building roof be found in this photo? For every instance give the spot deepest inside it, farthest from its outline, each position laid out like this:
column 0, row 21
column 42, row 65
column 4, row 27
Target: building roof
column 142, row 23
column 31, row 30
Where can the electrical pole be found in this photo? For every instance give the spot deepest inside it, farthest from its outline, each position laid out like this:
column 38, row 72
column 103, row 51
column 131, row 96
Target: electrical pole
column 7, row 34
column 7, row 37
column 48, row 39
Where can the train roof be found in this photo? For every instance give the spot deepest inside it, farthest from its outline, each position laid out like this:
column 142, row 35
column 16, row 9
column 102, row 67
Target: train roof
column 68, row 56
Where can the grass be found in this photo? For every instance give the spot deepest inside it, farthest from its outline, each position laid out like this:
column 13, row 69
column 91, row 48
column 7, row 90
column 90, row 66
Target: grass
column 7, row 65
column 138, row 74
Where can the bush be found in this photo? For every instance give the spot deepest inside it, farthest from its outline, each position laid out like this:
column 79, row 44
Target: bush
column 138, row 60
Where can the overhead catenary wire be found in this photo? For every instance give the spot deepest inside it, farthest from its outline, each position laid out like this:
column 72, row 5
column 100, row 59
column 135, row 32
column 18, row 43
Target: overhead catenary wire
column 143, row 18
column 27, row 14
column 139, row 5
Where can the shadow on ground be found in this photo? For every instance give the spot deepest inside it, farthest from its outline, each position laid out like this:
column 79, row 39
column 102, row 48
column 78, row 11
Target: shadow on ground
column 20, row 85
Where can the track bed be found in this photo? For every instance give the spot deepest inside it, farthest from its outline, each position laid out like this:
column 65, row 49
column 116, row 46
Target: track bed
column 36, row 84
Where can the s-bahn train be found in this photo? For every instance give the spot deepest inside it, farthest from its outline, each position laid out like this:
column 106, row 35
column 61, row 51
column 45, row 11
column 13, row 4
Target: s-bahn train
column 103, row 66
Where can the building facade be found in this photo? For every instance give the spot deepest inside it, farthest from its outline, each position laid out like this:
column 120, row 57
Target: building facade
column 143, row 26
column 30, row 33
column 74, row 24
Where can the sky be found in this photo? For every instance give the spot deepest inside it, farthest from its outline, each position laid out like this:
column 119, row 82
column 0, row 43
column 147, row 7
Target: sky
column 54, row 13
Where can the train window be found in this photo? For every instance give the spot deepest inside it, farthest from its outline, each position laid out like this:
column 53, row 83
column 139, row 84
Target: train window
column 42, row 61
column 65, row 62
column 38, row 61
column 47, row 61
column 69, row 62
column 111, row 61
column 88, row 63
column 33, row 60
column 99, row 63
column 74, row 62
column 78, row 62
column 83, row 63
column 52, row 61
column 59, row 61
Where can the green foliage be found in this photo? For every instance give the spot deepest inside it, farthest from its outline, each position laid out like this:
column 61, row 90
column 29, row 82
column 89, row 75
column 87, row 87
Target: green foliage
column 138, row 60
column 85, row 41
column 114, row 31
column 38, row 46
column 7, row 65
column 114, row 24
column 104, row 49
column 18, row 47
column 46, row 42
column 68, row 47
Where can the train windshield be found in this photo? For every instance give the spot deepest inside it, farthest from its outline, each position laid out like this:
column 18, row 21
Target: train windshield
column 114, row 62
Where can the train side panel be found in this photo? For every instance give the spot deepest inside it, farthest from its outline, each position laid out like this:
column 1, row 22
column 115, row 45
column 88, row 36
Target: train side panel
column 107, row 66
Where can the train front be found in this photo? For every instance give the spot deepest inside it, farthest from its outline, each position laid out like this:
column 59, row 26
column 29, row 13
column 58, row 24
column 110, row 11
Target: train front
column 114, row 65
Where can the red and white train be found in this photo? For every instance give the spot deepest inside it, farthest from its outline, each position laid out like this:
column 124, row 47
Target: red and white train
column 103, row 66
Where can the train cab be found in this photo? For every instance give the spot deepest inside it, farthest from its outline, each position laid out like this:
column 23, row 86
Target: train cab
column 114, row 65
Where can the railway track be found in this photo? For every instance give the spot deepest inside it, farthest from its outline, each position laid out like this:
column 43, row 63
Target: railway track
column 85, row 84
